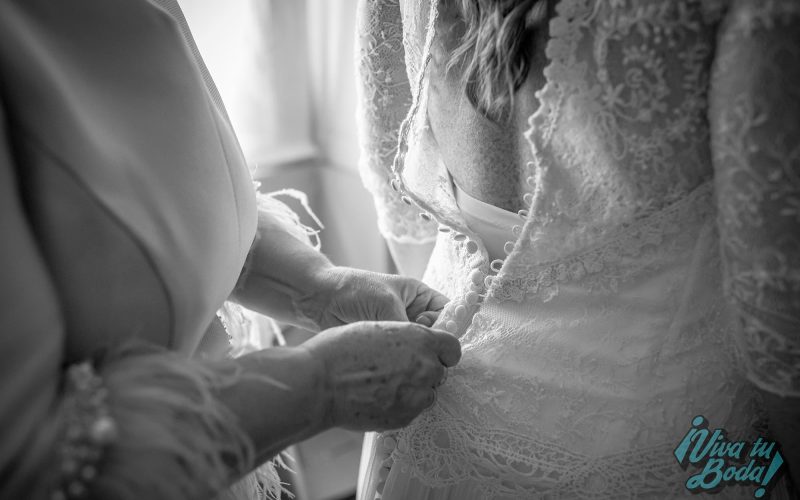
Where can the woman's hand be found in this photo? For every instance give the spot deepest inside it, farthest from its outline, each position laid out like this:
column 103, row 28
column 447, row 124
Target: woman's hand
column 346, row 295
column 292, row 282
column 380, row 375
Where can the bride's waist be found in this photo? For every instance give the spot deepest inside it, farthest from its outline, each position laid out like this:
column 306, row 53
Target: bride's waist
column 622, row 345
column 629, row 350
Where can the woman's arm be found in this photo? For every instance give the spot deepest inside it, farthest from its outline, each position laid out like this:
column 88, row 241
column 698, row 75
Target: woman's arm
column 755, row 122
column 175, row 437
column 384, row 97
column 362, row 376
column 154, row 424
column 287, row 279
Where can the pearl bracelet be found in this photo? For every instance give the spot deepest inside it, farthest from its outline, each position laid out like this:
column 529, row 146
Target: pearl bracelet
column 88, row 430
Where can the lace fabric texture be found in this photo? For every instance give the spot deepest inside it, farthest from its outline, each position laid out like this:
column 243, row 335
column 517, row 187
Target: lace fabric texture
column 384, row 99
column 606, row 329
column 587, row 397
column 756, row 139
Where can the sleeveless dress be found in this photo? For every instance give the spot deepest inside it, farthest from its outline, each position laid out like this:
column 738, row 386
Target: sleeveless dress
column 590, row 346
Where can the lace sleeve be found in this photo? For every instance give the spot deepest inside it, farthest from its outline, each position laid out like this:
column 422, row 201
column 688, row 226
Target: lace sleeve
column 384, row 99
column 755, row 120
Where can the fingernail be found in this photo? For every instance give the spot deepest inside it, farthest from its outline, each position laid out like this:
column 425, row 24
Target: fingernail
column 424, row 320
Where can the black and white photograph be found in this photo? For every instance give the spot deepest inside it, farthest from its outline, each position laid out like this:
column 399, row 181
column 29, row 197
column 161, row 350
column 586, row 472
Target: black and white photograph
column 399, row 249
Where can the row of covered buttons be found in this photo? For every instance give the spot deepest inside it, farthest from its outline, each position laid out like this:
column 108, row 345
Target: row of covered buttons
column 479, row 280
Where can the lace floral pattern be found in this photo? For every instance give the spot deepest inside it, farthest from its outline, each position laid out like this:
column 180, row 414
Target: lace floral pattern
column 507, row 465
column 528, row 468
column 612, row 258
column 756, row 134
column 621, row 128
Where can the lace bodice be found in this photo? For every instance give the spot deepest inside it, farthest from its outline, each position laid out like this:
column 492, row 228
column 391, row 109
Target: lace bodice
column 652, row 149
column 624, row 129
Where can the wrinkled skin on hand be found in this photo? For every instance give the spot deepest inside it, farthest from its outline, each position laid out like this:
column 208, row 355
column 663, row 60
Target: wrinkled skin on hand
column 380, row 375
column 347, row 295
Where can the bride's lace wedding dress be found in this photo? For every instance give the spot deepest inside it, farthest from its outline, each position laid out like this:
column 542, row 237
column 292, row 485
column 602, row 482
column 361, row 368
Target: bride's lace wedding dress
column 663, row 180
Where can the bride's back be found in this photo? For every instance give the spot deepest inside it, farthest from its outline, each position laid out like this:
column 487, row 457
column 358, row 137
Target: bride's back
column 621, row 128
column 488, row 158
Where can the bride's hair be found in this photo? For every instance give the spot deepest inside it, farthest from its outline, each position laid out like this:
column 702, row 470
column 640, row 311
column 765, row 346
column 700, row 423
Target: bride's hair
column 494, row 51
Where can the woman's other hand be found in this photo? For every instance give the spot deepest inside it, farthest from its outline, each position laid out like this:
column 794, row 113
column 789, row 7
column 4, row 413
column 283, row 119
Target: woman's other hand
column 348, row 295
column 381, row 375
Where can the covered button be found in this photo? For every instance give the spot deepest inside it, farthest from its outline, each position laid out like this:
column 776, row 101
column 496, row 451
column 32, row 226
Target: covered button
column 476, row 276
column 389, row 443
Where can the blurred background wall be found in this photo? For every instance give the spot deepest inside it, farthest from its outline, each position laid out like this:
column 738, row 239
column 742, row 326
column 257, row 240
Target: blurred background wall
column 285, row 70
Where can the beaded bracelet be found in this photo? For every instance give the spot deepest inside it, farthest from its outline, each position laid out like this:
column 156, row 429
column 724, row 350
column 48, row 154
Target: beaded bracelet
column 89, row 429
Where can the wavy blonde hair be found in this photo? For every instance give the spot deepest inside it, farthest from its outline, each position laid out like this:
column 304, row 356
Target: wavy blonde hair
column 494, row 51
